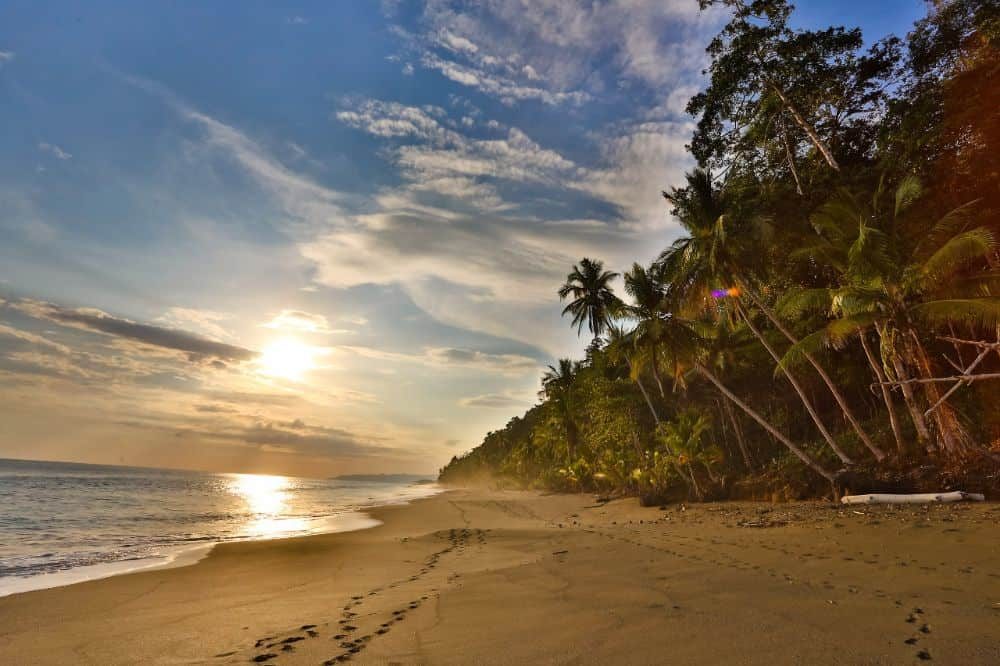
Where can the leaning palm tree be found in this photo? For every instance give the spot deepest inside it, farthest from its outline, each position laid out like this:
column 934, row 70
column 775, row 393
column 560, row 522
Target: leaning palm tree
column 684, row 346
column 593, row 302
column 710, row 256
column 902, row 284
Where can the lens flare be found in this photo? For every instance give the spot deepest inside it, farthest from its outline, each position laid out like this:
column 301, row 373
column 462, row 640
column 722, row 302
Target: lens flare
column 731, row 292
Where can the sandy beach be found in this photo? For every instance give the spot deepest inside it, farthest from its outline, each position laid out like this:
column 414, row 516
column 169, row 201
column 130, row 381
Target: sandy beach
column 490, row 577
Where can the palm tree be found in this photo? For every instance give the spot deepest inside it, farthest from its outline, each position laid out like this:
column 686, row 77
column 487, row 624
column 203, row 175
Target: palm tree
column 710, row 256
column 900, row 284
column 685, row 435
column 620, row 348
column 557, row 387
column 647, row 309
column 593, row 303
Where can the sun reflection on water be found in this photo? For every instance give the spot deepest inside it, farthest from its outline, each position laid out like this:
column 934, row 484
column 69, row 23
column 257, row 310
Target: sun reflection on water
column 266, row 498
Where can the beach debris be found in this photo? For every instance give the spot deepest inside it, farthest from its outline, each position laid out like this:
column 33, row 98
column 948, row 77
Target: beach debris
column 267, row 656
column 763, row 522
column 560, row 552
column 915, row 498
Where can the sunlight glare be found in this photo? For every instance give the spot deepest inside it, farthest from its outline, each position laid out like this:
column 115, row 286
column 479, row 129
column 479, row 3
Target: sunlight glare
column 287, row 358
column 263, row 494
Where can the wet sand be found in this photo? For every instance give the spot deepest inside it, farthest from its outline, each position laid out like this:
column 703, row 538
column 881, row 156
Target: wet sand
column 477, row 577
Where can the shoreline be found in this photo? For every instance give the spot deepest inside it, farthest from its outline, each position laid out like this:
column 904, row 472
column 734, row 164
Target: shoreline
column 183, row 556
column 511, row 577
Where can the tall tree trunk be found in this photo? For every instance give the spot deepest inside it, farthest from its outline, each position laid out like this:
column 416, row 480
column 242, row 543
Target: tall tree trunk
column 790, row 157
column 886, row 395
column 789, row 444
column 837, row 395
column 798, row 388
column 739, row 434
column 810, row 131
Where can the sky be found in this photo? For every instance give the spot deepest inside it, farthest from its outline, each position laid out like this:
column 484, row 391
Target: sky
column 319, row 238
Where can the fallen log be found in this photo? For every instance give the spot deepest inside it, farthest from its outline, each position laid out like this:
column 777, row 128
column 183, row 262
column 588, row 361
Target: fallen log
column 918, row 498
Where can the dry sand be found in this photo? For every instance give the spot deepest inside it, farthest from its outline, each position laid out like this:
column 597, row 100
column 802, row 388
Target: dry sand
column 477, row 577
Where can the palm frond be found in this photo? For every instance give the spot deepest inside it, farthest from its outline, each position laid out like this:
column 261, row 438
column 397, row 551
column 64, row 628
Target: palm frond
column 981, row 313
column 908, row 191
column 796, row 354
column 951, row 223
column 795, row 302
column 951, row 257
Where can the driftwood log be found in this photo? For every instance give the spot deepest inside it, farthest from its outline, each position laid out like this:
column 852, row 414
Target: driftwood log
column 918, row 498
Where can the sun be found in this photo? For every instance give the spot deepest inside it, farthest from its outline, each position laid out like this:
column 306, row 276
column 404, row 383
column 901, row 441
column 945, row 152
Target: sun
column 286, row 358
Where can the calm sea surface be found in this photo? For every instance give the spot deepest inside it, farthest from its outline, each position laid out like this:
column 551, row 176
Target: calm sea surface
column 63, row 522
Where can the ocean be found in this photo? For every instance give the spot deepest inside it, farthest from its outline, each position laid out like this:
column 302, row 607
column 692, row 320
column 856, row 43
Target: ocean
column 62, row 523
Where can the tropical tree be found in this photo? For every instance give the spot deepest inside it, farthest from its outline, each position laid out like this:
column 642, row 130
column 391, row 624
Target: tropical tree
column 557, row 388
column 593, row 302
column 903, row 280
column 777, row 266
column 686, row 436
column 772, row 85
column 713, row 254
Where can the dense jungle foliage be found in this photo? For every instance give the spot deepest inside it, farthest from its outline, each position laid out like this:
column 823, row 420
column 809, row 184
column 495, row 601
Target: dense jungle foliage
column 829, row 317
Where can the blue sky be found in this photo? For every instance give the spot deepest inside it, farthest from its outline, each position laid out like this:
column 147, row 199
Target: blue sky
column 380, row 198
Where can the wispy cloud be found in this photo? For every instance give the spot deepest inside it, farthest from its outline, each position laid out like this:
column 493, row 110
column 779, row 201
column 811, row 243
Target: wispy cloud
column 560, row 52
column 494, row 401
column 194, row 347
column 54, row 150
column 205, row 321
column 451, row 357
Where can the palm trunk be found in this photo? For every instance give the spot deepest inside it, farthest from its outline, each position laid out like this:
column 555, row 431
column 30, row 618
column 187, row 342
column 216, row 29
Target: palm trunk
column 694, row 482
column 837, row 395
column 798, row 389
column 652, row 410
column 886, row 395
column 917, row 416
column 954, row 440
column 571, row 435
column 739, row 434
column 789, row 444
column 654, row 366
